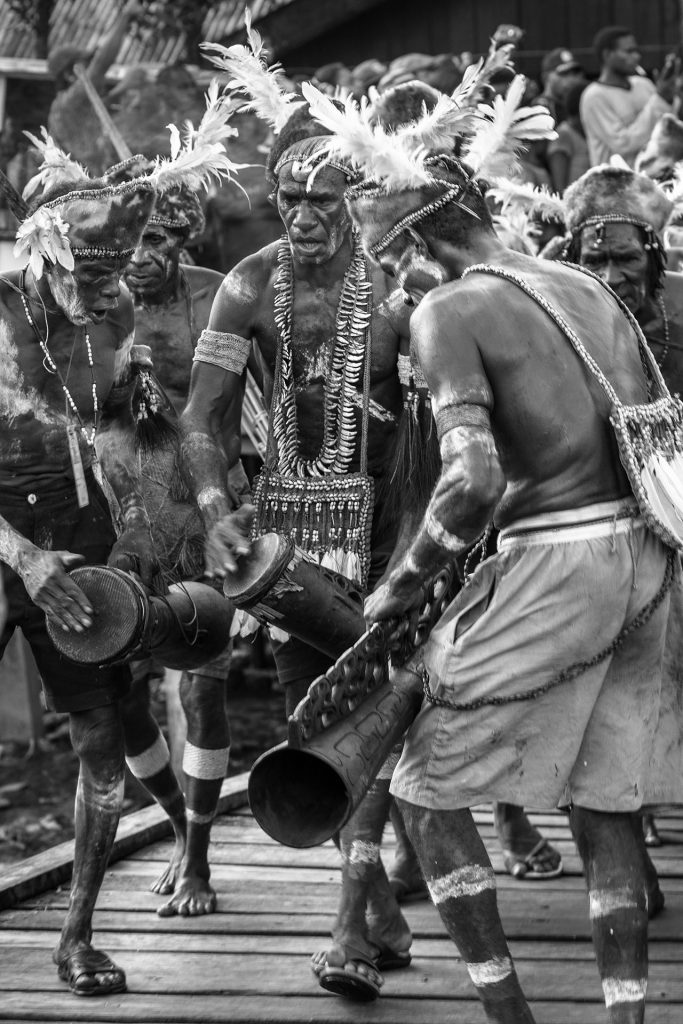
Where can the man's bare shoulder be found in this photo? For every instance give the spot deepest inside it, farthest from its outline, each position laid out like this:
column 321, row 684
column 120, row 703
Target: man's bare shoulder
column 248, row 278
column 201, row 278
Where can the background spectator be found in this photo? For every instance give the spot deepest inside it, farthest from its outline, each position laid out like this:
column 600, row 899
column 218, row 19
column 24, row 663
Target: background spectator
column 568, row 154
column 560, row 71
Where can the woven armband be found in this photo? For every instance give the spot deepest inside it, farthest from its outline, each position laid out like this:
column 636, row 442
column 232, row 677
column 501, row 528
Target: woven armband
column 229, row 351
column 453, row 415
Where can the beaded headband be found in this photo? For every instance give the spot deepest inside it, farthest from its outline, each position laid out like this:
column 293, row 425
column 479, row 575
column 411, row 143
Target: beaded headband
column 310, row 155
column 453, row 195
column 599, row 221
column 100, row 253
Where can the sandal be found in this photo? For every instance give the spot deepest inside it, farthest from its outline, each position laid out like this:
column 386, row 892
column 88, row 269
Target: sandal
column 527, row 868
column 359, row 986
column 80, row 969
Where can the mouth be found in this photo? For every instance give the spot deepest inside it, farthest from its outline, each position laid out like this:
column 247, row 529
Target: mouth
column 98, row 315
column 307, row 245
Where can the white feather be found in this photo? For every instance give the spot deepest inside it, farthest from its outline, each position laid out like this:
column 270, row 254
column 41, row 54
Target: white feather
column 530, row 199
column 504, row 129
column 250, row 74
column 399, row 161
column 438, row 128
column 56, row 168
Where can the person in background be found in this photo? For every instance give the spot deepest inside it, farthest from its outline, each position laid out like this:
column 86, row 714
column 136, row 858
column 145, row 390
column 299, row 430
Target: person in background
column 560, row 71
column 568, row 155
column 620, row 110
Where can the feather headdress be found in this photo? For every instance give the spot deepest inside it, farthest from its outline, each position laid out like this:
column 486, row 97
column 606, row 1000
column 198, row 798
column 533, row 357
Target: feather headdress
column 503, row 130
column 198, row 155
column 533, row 200
column 251, row 75
column 56, row 167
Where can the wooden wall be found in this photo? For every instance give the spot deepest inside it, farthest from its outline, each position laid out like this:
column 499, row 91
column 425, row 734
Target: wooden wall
column 395, row 27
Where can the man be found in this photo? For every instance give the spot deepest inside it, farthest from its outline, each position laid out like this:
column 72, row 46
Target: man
column 620, row 110
column 308, row 278
column 617, row 218
column 66, row 330
column 522, row 703
column 560, row 70
column 172, row 300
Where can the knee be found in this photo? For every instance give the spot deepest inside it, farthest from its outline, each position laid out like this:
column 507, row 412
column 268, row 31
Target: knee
column 97, row 740
column 203, row 701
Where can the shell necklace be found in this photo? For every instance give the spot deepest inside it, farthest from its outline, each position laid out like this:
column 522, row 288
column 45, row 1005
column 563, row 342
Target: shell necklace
column 354, row 314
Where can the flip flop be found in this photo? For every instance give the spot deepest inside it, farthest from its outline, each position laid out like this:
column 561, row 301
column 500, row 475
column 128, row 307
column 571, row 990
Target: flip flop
column 86, row 963
column 526, row 868
column 361, row 988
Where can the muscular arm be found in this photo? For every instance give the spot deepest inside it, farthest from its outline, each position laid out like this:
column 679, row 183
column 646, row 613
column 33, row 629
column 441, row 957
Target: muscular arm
column 211, row 420
column 471, row 480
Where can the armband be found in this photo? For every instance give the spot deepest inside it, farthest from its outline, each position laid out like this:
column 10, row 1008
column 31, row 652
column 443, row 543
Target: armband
column 229, row 351
column 454, row 414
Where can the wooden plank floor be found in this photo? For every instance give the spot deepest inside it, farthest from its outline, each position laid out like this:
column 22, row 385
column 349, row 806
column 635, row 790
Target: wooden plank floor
column 248, row 963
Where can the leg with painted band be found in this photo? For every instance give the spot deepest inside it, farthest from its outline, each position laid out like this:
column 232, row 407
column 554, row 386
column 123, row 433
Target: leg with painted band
column 462, row 886
column 205, row 763
column 611, row 848
column 149, row 760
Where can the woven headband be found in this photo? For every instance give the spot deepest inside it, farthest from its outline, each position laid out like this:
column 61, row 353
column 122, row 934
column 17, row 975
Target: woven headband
column 599, row 221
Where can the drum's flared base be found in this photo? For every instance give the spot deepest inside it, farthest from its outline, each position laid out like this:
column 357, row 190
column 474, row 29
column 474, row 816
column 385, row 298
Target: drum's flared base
column 297, row 798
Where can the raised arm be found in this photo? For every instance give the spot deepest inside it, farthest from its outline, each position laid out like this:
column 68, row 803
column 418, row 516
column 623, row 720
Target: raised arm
column 471, row 480
column 107, row 52
column 211, row 421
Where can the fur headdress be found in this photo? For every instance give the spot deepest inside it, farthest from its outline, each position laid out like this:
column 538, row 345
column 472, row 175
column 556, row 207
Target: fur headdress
column 616, row 193
column 179, row 209
column 77, row 216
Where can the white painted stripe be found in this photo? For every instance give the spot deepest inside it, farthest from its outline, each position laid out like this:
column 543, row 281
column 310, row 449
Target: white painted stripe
column 491, row 971
column 150, row 761
column 469, row 880
column 607, row 901
column 197, row 818
column 205, row 764
column 362, row 852
column 623, row 990
column 387, row 769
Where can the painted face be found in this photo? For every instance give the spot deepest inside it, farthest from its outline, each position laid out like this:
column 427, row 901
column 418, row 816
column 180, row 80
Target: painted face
column 619, row 260
column 154, row 264
column 416, row 272
column 89, row 292
column 316, row 218
column 624, row 58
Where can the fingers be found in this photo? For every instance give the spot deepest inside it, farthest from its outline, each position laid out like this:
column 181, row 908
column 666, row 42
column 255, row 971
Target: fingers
column 69, row 559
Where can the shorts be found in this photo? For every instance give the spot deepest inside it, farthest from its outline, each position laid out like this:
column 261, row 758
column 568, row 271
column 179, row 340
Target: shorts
column 560, row 589
column 52, row 520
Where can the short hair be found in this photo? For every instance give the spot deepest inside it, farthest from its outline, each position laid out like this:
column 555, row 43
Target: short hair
column 607, row 38
column 451, row 223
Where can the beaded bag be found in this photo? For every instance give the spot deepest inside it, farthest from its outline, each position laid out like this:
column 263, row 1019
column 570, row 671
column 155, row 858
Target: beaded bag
column 324, row 509
column 649, row 436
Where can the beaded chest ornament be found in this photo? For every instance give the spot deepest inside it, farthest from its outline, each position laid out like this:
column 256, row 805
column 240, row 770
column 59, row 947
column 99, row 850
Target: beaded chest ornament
column 325, row 509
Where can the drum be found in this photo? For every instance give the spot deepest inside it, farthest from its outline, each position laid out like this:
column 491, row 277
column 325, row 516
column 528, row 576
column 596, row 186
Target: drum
column 183, row 629
column 281, row 586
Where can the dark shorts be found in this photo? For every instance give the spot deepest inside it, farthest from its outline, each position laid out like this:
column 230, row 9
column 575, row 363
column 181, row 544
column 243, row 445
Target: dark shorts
column 297, row 663
column 52, row 520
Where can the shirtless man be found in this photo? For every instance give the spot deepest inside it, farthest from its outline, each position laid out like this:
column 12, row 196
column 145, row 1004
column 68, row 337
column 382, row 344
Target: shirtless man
column 65, row 338
column 616, row 218
column 322, row 255
column 172, row 302
column 576, row 564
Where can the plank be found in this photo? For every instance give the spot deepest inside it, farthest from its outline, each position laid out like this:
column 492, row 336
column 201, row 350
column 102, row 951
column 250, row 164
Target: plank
column 321, row 1008
column 54, row 866
column 205, row 974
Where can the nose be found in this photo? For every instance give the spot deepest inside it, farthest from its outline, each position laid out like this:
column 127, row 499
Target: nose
column 612, row 274
column 111, row 287
column 304, row 217
column 140, row 255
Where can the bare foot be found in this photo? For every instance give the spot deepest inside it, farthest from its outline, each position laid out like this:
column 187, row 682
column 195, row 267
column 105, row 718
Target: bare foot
column 166, row 881
column 193, row 896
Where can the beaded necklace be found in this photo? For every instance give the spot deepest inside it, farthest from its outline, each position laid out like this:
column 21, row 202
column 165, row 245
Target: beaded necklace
column 665, row 320
column 341, row 384
column 51, row 367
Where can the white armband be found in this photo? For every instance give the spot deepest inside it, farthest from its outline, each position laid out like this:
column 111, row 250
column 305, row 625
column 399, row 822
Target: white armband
column 229, row 351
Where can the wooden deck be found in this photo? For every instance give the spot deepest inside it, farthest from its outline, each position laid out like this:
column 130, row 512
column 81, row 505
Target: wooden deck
column 249, row 961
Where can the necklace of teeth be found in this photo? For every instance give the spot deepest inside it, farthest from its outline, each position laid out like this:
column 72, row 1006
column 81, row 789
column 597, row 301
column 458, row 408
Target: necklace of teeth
column 354, row 313
column 51, row 367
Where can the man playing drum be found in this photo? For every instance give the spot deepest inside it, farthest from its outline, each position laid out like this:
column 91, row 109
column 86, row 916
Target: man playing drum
column 543, row 677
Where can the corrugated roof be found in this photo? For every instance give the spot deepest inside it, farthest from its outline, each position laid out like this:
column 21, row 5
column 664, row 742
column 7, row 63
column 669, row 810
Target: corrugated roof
column 83, row 23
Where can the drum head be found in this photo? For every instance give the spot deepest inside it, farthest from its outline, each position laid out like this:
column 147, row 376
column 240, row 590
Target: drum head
column 117, row 623
column 257, row 572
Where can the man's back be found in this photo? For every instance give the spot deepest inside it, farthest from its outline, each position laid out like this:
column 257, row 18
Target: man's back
column 549, row 416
